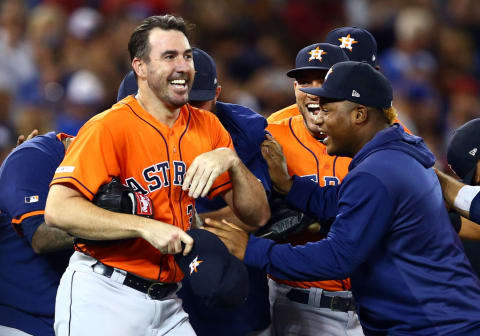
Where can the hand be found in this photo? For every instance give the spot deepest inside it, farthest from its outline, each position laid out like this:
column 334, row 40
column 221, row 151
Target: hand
column 166, row 238
column 277, row 165
column 21, row 138
column 205, row 169
column 234, row 238
column 450, row 187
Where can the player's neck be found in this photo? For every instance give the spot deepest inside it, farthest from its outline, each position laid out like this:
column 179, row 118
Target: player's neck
column 157, row 108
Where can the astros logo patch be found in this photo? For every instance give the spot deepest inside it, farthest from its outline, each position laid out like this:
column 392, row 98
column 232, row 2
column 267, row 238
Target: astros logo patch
column 316, row 54
column 347, row 42
column 193, row 265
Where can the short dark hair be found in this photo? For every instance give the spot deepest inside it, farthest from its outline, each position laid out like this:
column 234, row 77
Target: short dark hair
column 138, row 45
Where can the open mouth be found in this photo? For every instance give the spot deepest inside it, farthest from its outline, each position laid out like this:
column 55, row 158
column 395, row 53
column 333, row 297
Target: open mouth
column 313, row 108
column 321, row 136
column 179, row 83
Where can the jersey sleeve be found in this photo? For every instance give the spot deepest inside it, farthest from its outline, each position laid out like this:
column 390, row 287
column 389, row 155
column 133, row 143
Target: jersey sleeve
column 91, row 160
column 475, row 209
column 25, row 180
column 220, row 138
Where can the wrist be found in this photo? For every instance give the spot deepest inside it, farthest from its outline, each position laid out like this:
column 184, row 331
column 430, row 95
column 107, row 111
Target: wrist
column 285, row 186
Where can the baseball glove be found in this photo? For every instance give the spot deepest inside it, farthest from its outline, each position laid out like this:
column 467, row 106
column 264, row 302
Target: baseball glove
column 286, row 222
column 114, row 196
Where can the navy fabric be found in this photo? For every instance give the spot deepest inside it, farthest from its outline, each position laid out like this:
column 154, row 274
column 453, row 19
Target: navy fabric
column 392, row 235
column 358, row 43
column 357, row 82
column 463, row 151
column 475, row 209
column 128, row 86
column 247, row 129
column 205, row 82
column 28, row 282
column 319, row 56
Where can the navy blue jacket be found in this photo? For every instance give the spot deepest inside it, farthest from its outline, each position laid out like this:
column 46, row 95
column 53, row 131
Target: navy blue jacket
column 392, row 235
column 475, row 209
column 28, row 281
column 247, row 129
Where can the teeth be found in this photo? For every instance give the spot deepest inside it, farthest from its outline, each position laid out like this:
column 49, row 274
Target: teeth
column 178, row 81
column 313, row 106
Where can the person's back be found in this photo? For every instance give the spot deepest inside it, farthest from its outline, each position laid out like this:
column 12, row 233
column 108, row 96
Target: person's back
column 420, row 259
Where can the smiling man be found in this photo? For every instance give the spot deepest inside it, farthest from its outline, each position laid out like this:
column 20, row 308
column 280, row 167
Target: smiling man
column 391, row 232
column 122, row 280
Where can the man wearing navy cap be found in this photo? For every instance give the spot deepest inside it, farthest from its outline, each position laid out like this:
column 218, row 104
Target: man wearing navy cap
column 463, row 157
column 247, row 130
column 391, row 232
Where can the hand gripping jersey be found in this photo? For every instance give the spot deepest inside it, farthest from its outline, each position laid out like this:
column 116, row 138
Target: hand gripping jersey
column 128, row 142
column 28, row 281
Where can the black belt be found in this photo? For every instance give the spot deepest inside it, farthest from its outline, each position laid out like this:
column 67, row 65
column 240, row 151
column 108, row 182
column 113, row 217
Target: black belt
column 335, row 303
column 155, row 290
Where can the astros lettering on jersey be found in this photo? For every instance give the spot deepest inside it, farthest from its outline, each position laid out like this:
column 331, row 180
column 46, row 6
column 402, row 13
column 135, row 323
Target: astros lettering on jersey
column 153, row 160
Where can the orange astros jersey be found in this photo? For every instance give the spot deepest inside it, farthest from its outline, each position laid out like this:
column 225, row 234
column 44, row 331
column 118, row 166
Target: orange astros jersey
column 292, row 110
column 307, row 157
column 128, row 142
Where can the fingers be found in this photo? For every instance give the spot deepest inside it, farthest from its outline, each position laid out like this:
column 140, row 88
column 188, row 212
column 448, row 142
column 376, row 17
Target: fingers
column 189, row 175
column 32, row 134
column 20, row 139
column 209, row 184
column 188, row 241
column 198, row 182
column 233, row 226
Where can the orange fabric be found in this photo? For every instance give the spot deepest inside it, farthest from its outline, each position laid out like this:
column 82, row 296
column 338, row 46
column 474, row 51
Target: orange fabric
column 61, row 136
column 287, row 112
column 306, row 156
column 128, row 142
column 27, row 215
column 292, row 110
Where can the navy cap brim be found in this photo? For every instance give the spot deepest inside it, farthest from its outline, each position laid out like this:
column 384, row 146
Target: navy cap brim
column 295, row 72
column 322, row 93
column 201, row 95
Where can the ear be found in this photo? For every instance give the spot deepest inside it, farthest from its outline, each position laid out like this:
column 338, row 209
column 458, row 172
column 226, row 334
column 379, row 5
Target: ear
column 138, row 66
column 217, row 92
column 360, row 114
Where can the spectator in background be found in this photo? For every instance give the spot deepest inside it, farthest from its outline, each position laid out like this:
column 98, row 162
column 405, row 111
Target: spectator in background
column 84, row 99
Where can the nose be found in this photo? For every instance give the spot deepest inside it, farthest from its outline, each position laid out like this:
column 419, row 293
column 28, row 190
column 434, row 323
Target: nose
column 183, row 65
column 319, row 118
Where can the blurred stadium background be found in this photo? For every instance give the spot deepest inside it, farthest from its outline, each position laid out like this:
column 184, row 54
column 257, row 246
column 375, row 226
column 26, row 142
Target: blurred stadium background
column 61, row 61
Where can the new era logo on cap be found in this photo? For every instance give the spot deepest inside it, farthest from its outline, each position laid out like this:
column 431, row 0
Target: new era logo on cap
column 355, row 94
column 473, row 151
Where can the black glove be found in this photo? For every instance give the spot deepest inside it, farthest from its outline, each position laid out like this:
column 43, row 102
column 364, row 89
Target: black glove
column 116, row 197
column 284, row 222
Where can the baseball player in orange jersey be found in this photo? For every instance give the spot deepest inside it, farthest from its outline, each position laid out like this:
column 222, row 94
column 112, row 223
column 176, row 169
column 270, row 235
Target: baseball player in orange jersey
column 171, row 152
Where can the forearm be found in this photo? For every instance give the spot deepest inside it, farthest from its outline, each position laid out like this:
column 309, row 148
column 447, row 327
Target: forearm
column 68, row 210
column 227, row 214
column 248, row 198
column 469, row 230
column 49, row 239
column 450, row 187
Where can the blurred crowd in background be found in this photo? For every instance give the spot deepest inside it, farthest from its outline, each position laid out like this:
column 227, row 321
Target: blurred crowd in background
column 61, row 61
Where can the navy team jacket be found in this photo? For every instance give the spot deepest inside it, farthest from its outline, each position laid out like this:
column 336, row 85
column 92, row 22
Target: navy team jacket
column 392, row 235
column 28, row 281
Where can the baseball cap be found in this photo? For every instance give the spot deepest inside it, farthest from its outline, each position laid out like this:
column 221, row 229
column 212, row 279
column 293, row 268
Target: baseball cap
column 128, row 86
column 205, row 82
column 357, row 82
column 358, row 43
column 319, row 56
column 463, row 150
column 216, row 276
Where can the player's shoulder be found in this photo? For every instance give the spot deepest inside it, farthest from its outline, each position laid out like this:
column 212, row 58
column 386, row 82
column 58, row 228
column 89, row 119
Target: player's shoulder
column 284, row 114
column 200, row 116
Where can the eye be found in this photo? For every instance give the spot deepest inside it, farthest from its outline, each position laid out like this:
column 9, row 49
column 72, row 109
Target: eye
column 169, row 56
column 188, row 56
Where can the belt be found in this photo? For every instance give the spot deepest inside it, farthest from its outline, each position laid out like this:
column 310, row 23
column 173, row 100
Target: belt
column 335, row 303
column 155, row 290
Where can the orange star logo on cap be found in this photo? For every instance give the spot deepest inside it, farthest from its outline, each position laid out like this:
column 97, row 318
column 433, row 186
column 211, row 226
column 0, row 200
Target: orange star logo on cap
column 347, row 42
column 316, row 54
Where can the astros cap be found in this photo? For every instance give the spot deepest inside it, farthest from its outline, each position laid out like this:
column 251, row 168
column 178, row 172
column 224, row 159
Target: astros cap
column 463, row 150
column 216, row 276
column 319, row 56
column 357, row 82
column 205, row 82
column 359, row 44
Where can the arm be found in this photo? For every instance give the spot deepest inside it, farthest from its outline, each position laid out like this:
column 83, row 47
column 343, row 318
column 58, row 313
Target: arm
column 68, row 210
column 463, row 198
column 44, row 239
column 469, row 230
column 247, row 198
column 228, row 215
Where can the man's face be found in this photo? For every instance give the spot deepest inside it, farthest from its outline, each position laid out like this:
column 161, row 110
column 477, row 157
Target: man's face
column 308, row 104
column 170, row 69
column 336, row 124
